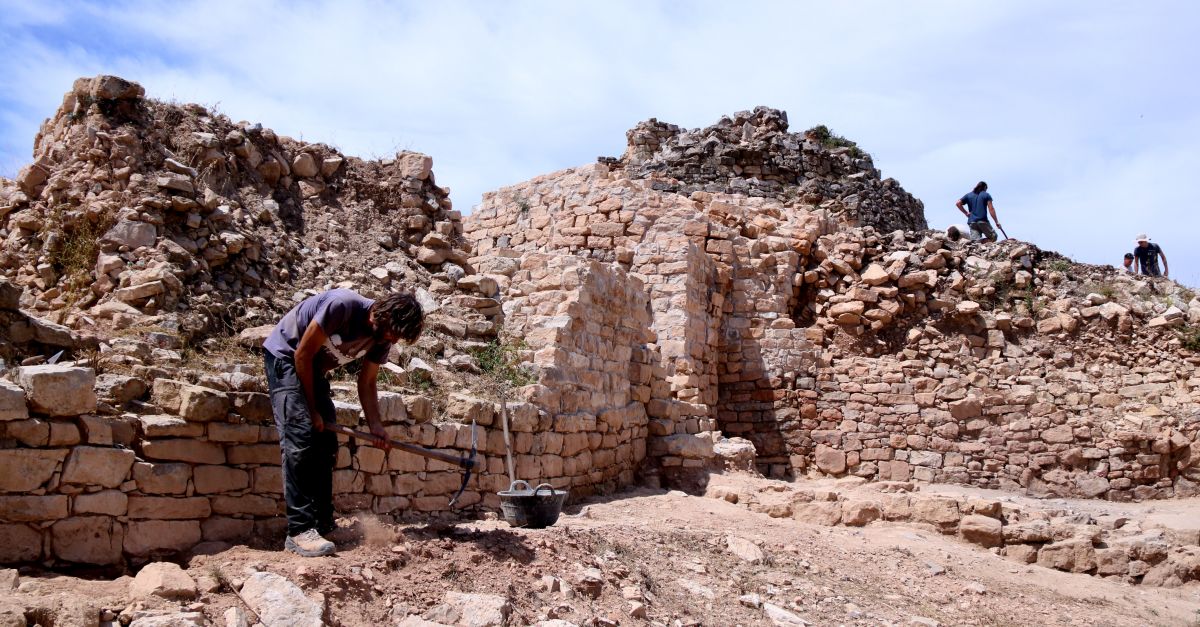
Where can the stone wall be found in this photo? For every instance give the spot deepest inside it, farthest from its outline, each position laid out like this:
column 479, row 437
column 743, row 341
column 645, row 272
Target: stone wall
column 203, row 465
column 837, row 349
column 587, row 326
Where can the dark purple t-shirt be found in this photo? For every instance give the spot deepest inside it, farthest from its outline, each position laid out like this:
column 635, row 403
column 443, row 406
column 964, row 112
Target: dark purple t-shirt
column 342, row 315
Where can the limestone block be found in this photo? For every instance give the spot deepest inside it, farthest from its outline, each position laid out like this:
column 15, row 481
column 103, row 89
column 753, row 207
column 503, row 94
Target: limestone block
column 370, row 459
column 201, row 404
column 1075, row 555
column 1091, row 486
column 185, row 450
column 255, row 454
column 165, row 393
column 305, row 165
column 217, row 479
column 278, row 601
column 827, row 513
column 859, row 513
column 108, row 502
column 1112, row 561
column 255, row 407
column 19, row 543
column 145, row 537
column 57, row 390
column 467, row 408
column 132, row 233
column 938, row 511
column 162, row 478
column 269, row 479
column 475, row 610
column 64, row 433
column 12, row 402
column 875, row 274
column 168, row 508
column 87, row 540
column 1021, row 553
column 966, row 408
column 228, row 432
column 251, row 504
column 983, row 530
column 166, row 426
column 166, row 618
column 419, row 408
column 830, row 460
column 226, row 529
column 34, row 432
column 1060, row 434
column 97, row 430
column 684, row 445
column 94, row 465
column 162, row 579
column 32, row 508
column 24, row 470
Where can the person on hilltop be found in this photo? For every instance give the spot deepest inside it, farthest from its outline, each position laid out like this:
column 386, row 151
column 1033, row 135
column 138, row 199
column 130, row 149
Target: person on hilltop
column 1147, row 255
column 1128, row 262
column 321, row 333
column 978, row 204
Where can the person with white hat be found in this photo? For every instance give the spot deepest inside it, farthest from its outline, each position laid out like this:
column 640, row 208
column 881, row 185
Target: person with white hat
column 1147, row 255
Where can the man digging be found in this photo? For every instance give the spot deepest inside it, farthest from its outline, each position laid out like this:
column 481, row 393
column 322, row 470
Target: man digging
column 324, row 332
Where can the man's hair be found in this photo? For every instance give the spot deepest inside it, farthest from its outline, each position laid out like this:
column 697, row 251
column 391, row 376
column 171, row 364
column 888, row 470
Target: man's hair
column 980, row 187
column 1129, row 255
column 400, row 312
column 954, row 234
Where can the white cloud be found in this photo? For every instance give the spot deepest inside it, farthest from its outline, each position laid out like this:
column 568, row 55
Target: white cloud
column 1079, row 114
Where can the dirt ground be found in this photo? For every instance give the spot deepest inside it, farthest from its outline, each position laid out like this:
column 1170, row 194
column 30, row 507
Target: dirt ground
column 669, row 552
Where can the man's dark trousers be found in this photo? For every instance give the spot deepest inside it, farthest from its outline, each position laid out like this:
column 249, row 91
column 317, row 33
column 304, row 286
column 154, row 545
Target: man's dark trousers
column 308, row 455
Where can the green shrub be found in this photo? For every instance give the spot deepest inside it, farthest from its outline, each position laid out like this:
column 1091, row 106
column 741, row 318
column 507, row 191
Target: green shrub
column 502, row 362
column 1060, row 265
column 1190, row 337
column 827, row 138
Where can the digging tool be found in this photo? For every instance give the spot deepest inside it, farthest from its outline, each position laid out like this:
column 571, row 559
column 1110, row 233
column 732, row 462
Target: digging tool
column 512, row 475
column 467, row 463
column 1002, row 231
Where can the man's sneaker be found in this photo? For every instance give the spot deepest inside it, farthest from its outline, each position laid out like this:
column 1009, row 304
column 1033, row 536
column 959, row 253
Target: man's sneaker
column 309, row 544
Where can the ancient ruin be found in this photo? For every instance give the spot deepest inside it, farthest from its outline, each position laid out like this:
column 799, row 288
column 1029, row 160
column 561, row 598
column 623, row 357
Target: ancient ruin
column 737, row 298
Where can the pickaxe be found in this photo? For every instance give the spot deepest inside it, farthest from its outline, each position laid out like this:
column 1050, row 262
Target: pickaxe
column 1002, row 231
column 466, row 463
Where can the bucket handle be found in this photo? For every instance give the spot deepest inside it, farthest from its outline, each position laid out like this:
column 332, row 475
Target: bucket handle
column 543, row 485
column 512, row 487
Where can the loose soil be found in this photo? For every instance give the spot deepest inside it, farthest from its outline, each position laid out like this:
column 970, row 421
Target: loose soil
column 669, row 549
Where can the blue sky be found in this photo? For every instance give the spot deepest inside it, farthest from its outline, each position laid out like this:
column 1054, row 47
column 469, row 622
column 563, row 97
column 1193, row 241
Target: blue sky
column 1084, row 117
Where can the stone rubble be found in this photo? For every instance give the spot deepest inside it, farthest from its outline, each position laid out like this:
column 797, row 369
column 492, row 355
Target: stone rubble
column 730, row 298
column 1059, row 539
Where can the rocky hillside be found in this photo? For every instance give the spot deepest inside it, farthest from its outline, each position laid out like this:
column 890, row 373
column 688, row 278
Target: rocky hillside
column 137, row 212
column 752, row 153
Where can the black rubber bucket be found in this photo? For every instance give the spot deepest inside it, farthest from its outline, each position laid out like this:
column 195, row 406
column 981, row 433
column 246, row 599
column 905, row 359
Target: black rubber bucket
column 535, row 508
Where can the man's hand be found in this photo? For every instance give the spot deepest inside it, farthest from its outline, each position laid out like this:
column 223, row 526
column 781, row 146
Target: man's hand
column 318, row 424
column 382, row 441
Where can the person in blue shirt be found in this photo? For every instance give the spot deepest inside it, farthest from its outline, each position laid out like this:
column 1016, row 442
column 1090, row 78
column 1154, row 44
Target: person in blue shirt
column 978, row 205
column 1147, row 255
column 323, row 332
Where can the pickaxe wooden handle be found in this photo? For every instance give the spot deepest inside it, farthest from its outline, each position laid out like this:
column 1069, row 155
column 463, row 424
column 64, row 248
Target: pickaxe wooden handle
column 462, row 462
column 467, row 463
column 1002, row 230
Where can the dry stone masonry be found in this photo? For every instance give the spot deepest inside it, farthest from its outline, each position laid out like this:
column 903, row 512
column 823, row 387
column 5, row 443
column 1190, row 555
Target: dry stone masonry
column 837, row 348
column 731, row 297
